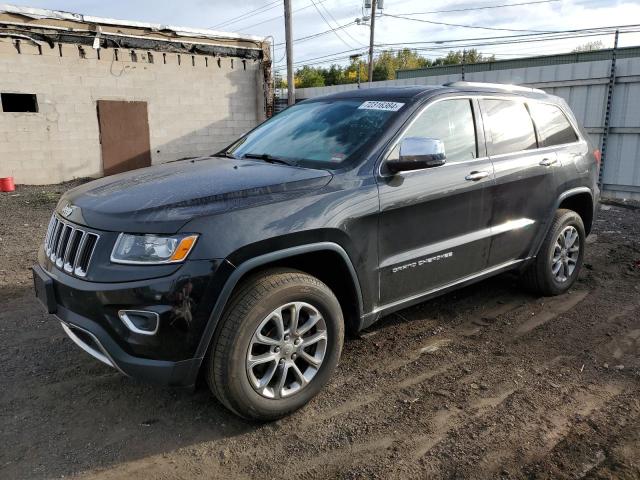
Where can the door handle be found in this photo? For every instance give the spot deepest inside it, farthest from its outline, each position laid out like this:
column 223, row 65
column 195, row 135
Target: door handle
column 547, row 162
column 475, row 176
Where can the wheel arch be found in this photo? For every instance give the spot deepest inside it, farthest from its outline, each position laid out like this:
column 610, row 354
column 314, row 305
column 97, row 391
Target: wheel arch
column 314, row 259
column 580, row 200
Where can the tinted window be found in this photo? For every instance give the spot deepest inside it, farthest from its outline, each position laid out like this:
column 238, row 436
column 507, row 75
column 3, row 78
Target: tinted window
column 320, row 134
column 509, row 125
column 553, row 126
column 450, row 121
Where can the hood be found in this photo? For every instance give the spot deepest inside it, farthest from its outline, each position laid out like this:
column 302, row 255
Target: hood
column 162, row 198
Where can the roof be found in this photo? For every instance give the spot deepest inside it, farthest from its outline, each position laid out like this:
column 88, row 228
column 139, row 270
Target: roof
column 41, row 13
column 381, row 93
column 415, row 92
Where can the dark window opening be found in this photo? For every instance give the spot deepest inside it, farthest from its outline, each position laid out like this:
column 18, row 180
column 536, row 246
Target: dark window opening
column 19, row 102
column 451, row 122
column 150, row 57
column 553, row 126
column 509, row 125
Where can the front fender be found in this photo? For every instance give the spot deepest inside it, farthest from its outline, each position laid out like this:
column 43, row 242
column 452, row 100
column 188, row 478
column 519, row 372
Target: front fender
column 241, row 270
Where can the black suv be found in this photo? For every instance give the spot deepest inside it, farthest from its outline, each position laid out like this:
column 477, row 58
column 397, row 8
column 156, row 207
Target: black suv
column 248, row 266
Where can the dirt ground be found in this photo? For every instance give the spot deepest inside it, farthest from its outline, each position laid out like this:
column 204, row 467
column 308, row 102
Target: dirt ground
column 486, row 382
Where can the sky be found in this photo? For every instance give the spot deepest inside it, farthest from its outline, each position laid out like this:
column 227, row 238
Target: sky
column 266, row 18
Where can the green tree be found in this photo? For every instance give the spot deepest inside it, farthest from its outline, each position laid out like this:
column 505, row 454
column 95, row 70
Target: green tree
column 334, row 75
column 309, row 77
column 407, row 58
column 384, row 67
column 469, row 56
column 589, row 46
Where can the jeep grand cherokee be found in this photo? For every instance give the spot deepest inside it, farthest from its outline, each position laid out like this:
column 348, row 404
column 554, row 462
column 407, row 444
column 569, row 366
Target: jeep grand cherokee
column 248, row 266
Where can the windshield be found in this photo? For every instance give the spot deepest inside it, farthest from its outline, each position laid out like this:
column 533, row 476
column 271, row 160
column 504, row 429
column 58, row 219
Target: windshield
column 320, row 134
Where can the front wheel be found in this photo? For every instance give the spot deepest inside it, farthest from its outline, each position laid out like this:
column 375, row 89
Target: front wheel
column 556, row 267
column 278, row 344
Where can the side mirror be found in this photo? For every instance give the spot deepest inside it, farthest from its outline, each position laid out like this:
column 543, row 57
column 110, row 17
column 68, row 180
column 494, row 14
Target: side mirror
column 417, row 153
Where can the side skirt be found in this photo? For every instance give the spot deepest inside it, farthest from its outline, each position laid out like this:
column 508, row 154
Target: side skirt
column 382, row 310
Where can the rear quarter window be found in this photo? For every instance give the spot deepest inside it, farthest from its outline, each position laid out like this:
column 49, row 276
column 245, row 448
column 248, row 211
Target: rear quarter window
column 509, row 125
column 553, row 126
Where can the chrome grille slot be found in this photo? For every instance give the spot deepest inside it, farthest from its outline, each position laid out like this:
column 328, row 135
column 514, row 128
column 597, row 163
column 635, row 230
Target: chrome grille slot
column 69, row 247
column 85, row 254
column 62, row 244
column 55, row 240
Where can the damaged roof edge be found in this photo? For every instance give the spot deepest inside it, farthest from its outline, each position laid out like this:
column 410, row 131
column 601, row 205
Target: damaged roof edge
column 41, row 13
column 110, row 41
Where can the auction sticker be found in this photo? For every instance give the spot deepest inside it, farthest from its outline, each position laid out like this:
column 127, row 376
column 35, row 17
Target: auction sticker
column 380, row 105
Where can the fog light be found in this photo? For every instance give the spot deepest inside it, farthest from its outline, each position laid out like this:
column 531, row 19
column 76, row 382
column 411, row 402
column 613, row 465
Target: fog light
column 140, row 321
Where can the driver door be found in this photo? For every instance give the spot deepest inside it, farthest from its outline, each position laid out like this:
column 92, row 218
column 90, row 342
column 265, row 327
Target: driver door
column 435, row 223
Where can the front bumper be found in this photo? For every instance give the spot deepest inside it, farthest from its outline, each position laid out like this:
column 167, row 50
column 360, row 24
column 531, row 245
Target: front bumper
column 94, row 340
column 89, row 314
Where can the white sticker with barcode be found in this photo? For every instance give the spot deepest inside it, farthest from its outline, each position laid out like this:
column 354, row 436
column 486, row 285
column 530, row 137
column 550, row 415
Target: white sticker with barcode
column 380, row 105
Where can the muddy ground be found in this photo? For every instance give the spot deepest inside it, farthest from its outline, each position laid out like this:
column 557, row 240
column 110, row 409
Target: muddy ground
column 487, row 382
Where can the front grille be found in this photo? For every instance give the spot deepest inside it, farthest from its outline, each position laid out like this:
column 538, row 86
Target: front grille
column 69, row 247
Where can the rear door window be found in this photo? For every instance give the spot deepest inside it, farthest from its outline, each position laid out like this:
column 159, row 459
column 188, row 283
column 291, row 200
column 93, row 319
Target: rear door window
column 450, row 121
column 553, row 126
column 509, row 125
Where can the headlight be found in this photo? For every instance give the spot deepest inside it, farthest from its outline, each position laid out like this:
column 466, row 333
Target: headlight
column 152, row 249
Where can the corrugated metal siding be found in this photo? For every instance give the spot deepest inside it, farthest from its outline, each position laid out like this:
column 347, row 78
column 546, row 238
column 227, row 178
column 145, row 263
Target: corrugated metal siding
column 583, row 86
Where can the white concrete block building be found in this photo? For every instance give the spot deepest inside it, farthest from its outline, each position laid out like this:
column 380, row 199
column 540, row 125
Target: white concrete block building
column 86, row 96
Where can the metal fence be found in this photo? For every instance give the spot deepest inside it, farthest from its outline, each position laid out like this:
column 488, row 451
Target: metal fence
column 583, row 80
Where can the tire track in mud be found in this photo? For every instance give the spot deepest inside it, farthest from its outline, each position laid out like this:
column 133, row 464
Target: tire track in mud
column 551, row 310
column 504, row 303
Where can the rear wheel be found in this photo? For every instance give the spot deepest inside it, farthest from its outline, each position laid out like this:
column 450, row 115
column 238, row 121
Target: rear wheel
column 278, row 344
column 556, row 267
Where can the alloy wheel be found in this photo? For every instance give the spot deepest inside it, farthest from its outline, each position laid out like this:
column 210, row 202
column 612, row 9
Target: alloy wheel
column 565, row 254
column 286, row 350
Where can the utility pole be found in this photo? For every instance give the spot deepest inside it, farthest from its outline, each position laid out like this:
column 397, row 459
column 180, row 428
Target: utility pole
column 373, row 27
column 291, row 88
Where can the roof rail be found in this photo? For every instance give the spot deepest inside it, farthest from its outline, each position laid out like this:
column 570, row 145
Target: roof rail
column 496, row 86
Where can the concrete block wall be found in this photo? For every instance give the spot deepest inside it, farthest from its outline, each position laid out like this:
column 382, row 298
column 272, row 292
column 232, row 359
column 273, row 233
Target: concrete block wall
column 196, row 105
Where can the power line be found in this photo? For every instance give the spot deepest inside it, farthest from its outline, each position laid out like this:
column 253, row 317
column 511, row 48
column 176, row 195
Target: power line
column 479, row 8
column 315, row 35
column 279, row 17
column 433, row 22
column 255, row 11
column 336, row 22
column 483, row 41
column 609, row 29
column 330, row 26
column 340, row 27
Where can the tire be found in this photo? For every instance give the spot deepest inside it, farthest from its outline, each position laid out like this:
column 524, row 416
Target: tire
column 541, row 277
column 251, row 310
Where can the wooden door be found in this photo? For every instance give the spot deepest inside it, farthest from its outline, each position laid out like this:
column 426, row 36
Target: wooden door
column 124, row 135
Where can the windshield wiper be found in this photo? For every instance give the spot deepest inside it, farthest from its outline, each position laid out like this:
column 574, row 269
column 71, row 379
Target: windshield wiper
column 266, row 157
column 225, row 154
